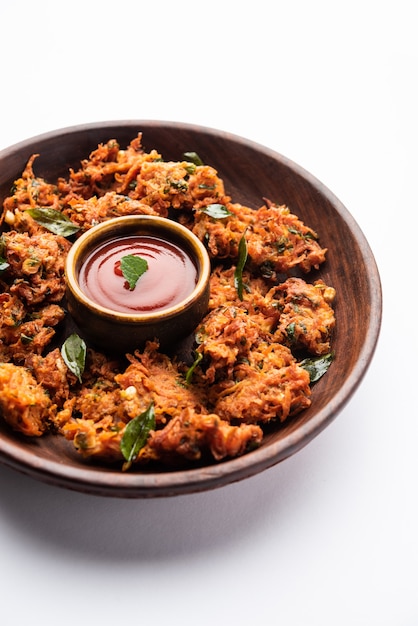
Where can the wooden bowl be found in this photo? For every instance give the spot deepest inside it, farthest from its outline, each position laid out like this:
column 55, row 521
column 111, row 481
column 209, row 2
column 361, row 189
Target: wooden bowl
column 250, row 172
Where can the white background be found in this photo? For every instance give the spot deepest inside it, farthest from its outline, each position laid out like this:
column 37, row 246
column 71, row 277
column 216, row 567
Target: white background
column 328, row 537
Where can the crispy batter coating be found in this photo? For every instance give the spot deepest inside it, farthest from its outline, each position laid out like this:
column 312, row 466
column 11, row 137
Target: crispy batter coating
column 226, row 336
column 88, row 213
column 23, row 332
column 306, row 316
column 251, row 377
column 270, row 388
column 24, row 404
column 277, row 240
column 108, row 168
column 248, row 346
column 222, row 236
column 177, row 185
column 51, row 372
column 36, row 265
column 29, row 192
column 189, row 434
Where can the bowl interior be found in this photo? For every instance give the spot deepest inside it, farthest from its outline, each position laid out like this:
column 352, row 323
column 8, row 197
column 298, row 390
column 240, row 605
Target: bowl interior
column 250, row 173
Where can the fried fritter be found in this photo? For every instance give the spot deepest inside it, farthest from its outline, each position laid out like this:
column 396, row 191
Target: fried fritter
column 24, row 403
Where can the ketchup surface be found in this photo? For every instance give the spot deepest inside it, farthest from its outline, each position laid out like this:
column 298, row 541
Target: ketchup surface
column 171, row 275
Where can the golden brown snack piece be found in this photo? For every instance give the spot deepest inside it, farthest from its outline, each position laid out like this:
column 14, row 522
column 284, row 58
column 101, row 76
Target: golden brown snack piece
column 94, row 414
column 142, row 176
column 24, row 403
column 178, row 185
column 88, row 213
column 222, row 235
column 226, row 336
column 24, row 332
column 298, row 314
column 104, row 414
column 108, row 168
column 189, row 435
column 29, row 191
column 51, row 372
column 273, row 388
column 36, row 265
column 158, row 379
column 277, row 241
column 306, row 316
column 224, row 293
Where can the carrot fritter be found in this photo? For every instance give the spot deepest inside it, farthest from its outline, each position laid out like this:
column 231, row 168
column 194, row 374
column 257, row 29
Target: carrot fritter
column 88, row 213
column 226, row 336
column 269, row 385
column 277, row 241
column 222, row 236
column 189, row 435
column 142, row 176
column 223, row 292
column 158, row 379
column 29, row 191
column 178, row 185
column 108, row 168
column 306, row 316
column 51, row 372
column 24, row 404
column 36, row 265
column 188, row 430
column 24, row 331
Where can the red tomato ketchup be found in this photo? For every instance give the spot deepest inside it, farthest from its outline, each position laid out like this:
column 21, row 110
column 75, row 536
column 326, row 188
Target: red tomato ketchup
column 171, row 275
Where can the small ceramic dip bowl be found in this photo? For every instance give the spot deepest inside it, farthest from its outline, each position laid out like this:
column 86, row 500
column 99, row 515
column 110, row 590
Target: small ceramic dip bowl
column 137, row 278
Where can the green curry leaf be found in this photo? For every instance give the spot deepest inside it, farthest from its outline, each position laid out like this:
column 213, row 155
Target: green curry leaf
column 54, row 221
column 242, row 259
column 132, row 267
column 189, row 373
column 73, row 351
column 193, row 157
column 317, row 366
column 136, row 434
